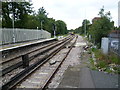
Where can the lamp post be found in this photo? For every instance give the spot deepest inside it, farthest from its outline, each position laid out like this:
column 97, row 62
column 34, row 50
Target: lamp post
column 42, row 23
column 13, row 25
column 119, row 46
column 54, row 29
column 85, row 27
column 85, row 23
column 37, row 33
column 41, row 28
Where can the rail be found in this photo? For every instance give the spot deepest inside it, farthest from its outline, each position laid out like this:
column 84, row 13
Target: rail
column 30, row 69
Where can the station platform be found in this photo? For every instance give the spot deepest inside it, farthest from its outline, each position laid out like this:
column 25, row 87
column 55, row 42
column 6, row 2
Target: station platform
column 22, row 44
column 80, row 75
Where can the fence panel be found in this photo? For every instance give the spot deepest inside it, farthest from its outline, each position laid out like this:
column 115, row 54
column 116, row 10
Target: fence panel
column 114, row 45
column 20, row 35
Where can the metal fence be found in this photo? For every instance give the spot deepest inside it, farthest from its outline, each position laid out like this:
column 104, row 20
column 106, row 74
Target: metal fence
column 114, row 45
column 19, row 35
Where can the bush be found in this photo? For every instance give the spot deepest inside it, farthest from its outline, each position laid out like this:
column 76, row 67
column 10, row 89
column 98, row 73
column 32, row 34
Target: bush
column 114, row 59
column 94, row 49
column 102, row 64
column 109, row 63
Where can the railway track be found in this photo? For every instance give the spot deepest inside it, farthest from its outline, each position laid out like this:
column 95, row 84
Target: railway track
column 43, row 75
column 10, row 59
column 13, row 62
column 57, row 68
column 40, row 60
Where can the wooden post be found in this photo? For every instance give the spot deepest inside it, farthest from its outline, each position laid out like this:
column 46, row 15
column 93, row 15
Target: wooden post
column 25, row 60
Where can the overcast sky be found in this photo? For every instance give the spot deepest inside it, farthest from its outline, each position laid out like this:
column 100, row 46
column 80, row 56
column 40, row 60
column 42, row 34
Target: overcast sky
column 72, row 12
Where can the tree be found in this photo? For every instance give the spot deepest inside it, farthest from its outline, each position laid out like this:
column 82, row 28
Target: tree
column 49, row 25
column 117, row 28
column 32, row 22
column 17, row 11
column 78, row 30
column 85, row 26
column 24, row 17
column 6, row 20
column 101, row 27
column 42, row 17
column 61, row 27
column 42, row 11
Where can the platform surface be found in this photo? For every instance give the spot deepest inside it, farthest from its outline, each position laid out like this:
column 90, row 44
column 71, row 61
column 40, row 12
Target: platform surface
column 86, row 78
column 22, row 44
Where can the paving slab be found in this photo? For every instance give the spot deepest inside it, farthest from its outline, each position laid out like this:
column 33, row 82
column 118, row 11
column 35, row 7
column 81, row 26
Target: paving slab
column 105, row 80
column 71, row 78
column 85, row 78
column 74, row 77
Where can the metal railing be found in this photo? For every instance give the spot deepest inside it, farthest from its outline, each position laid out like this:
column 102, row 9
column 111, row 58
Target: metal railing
column 20, row 35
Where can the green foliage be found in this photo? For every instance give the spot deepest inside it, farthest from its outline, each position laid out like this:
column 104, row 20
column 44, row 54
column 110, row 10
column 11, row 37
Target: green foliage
column 32, row 22
column 25, row 17
column 110, row 58
column 42, row 12
column 61, row 27
column 101, row 27
column 85, row 26
column 78, row 30
column 92, row 66
column 93, row 49
column 91, row 61
column 117, row 28
column 101, row 64
column 48, row 25
column 17, row 11
column 114, row 58
column 108, row 70
column 108, row 63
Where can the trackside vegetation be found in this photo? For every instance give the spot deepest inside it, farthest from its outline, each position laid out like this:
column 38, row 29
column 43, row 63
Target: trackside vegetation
column 108, row 63
column 99, row 28
column 23, row 16
column 93, row 33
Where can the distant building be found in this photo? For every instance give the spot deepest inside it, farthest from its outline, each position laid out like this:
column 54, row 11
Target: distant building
column 95, row 19
column 119, row 14
column 114, row 34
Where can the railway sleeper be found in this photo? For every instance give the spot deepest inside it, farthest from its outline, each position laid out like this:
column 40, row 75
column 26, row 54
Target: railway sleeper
column 25, row 60
column 20, row 76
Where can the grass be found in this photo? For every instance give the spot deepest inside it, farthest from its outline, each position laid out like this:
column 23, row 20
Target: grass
column 101, row 64
column 109, row 63
column 109, row 59
column 92, row 64
column 114, row 59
